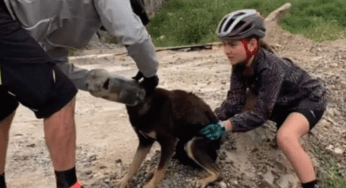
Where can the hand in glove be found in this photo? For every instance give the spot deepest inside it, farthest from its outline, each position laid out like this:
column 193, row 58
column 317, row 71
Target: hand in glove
column 149, row 84
column 213, row 131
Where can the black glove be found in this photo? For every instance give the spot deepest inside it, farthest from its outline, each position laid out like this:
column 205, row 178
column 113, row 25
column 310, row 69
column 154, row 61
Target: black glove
column 149, row 84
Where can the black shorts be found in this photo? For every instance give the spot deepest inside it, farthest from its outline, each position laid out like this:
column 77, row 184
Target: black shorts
column 28, row 75
column 312, row 114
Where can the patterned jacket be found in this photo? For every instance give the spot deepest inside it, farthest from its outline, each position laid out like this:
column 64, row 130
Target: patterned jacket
column 276, row 81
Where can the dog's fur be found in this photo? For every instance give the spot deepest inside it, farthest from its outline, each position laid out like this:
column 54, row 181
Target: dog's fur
column 173, row 118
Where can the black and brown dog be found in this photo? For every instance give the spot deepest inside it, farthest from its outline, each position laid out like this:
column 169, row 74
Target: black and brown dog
column 173, row 119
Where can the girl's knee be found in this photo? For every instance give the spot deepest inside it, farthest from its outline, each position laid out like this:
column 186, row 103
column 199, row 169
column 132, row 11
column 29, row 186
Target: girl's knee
column 284, row 139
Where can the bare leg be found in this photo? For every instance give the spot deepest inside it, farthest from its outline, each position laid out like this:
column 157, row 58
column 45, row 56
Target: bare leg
column 60, row 135
column 5, row 125
column 294, row 127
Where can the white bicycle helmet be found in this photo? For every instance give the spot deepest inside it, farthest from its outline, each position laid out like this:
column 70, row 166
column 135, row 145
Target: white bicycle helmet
column 241, row 24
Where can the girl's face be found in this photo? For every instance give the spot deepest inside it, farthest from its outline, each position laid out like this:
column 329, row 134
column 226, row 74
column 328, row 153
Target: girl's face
column 235, row 51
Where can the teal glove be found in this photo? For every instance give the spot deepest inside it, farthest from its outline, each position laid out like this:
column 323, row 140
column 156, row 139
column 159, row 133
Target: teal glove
column 213, row 131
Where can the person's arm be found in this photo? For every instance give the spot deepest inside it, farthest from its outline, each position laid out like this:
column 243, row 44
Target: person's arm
column 271, row 80
column 77, row 75
column 120, row 21
column 235, row 98
column 232, row 105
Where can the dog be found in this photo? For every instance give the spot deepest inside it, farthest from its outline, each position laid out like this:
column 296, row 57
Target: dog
column 173, row 119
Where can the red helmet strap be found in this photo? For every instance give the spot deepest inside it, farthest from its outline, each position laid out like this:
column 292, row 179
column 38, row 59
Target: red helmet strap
column 249, row 54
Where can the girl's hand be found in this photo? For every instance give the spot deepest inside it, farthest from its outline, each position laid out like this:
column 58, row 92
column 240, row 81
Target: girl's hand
column 213, row 131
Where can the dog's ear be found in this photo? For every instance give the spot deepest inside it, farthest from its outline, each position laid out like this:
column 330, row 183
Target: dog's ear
column 106, row 84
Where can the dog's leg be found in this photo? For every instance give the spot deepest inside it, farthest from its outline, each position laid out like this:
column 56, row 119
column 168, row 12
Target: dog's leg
column 142, row 151
column 182, row 156
column 167, row 150
column 200, row 152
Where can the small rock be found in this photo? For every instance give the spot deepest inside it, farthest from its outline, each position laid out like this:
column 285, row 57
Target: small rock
column 331, row 120
column 31, row 145
column 103, row 167
column 334, row 65
column 97, row 175
column 223, row 184
column 118, row 161
column 338, row 151
column 87, row 165
column 254, row 150
column 92, row 158
column 324, row 123
column 330, row 112
column 336, row 112
column 88, row 172
column 330, row 147
column 107, row 180
column 222, row 156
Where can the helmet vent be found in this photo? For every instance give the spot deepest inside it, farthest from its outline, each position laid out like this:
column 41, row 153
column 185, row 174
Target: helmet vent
column 228, row 25
column 241, row 23
column 239, row 14
column 223, row 21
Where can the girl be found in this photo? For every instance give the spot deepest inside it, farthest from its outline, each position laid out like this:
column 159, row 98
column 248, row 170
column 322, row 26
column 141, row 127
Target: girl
column 286, row 93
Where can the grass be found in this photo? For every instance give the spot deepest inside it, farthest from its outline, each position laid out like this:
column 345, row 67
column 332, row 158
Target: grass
column 182, row 22
column 73, row 51
column 331, row 175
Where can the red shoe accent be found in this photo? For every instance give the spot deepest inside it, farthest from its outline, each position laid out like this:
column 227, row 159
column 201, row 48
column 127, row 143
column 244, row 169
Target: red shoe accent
column 77, row 185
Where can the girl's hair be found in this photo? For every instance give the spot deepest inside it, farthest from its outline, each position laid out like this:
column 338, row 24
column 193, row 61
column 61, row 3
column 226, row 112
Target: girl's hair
column 262, row 44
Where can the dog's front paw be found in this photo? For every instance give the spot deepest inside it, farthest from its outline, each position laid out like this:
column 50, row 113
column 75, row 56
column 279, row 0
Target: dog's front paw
column 149, row 185
column 201, row 184
column 123, row 183
column 204, row 182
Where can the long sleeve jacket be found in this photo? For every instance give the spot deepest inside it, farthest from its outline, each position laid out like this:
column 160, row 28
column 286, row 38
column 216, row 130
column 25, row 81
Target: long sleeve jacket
column 61, row 24
column 276, row 81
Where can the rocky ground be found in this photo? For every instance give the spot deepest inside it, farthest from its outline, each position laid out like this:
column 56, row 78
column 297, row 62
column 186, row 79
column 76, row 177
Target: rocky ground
column 106, row 142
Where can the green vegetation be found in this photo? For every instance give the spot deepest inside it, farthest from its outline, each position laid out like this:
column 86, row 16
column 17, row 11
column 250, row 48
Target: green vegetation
column 182, row 22
column 73, row 51
column 331, row 175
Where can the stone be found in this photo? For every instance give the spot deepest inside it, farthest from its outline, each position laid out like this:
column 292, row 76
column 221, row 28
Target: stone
column 330, row 112
column 223, row 185
column 338, row 151
column 330, row 147
column 88, row 172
